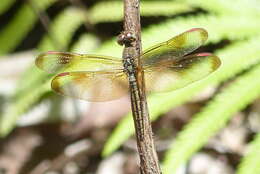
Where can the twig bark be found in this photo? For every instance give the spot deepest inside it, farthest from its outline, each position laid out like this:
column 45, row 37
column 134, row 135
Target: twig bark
column 131, row 38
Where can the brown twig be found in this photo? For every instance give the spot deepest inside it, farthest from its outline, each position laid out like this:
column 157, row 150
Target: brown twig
column 131, row 38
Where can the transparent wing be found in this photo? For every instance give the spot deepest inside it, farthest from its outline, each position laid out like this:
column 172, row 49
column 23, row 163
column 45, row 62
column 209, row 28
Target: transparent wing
column 171, row 75
column 91, row 86
column 54, row 62
column 175, row 48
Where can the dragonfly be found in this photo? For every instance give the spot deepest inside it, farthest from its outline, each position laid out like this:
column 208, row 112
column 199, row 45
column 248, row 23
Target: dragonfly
column 167, row 66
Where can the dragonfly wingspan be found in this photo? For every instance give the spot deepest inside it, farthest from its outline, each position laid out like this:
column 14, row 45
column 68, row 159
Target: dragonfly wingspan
column 173, row 75
column 91, row 86
column 175, row 48
column 100, row 78
column 54, row 62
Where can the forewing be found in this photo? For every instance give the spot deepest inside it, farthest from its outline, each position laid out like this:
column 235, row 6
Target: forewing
column 175, row 48
column 91, row 86
column 173, row 75
column 54, row 62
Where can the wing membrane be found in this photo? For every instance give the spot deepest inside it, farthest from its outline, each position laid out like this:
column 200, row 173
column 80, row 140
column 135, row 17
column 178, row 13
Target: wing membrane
column 91, row 86
column 171, row 75
column 175, row 48
column 101, row 78
column 54, row 62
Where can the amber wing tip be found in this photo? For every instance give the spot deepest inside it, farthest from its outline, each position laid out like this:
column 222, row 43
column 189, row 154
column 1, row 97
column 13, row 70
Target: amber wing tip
column 39, row 60
column 216, row 60
column 217, row 63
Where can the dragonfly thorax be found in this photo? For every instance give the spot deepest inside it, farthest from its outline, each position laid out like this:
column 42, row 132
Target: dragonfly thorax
column 129, row 68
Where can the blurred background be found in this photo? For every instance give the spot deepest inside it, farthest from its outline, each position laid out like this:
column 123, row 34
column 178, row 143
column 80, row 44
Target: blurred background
column 209, row 127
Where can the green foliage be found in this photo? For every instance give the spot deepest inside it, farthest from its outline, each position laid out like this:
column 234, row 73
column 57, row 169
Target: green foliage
column 18, row 107
column 20, row 25
column 233, row 62
column 237, row 23
column 244, row 29
column 212, row 118
column 229, row 57
column 250, row 164
column 86, row 44
column 115, row 10
column 5, row 5
column 251, row 7
column 62, row 30
column 34, row 87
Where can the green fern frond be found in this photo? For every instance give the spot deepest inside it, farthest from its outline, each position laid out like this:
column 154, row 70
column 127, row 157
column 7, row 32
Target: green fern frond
column 164, row 8
column 233, row 62
column 35, row 78
column 20, row 25
column 212, row 118
column 99, row 13
column 62, row 29
column 227, row 7
column 86, row 44
column 250, row 163
column 5, row 5
column 33, row 83
column 245, row 28
column 219, row 7
column 17, row 107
